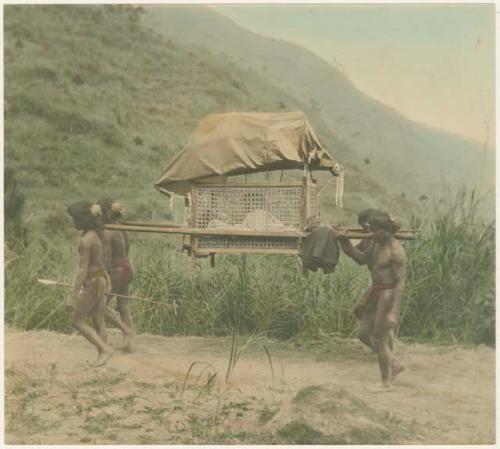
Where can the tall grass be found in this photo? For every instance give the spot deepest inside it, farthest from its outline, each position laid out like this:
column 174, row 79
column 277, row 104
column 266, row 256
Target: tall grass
column 28, row 304
column 449, row 293
column 264, row 295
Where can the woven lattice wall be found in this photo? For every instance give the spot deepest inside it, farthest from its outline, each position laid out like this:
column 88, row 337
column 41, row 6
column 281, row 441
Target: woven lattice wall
column 253, row 207
column 260, row 208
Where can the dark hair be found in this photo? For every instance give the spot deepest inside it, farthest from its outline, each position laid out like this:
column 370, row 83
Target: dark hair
column 105, row 204
column 108, row 214
column 383, row 220
column 364, row 215
column 81, row 214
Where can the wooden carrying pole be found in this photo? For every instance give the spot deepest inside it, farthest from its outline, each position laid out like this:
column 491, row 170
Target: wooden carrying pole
column 352, row 233
column 205, row 231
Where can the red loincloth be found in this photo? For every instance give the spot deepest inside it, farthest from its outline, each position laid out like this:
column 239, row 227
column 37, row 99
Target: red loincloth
column 372, row 294
column 126, row 269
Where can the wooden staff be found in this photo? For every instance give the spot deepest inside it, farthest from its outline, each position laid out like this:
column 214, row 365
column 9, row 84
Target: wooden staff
column 135, row 298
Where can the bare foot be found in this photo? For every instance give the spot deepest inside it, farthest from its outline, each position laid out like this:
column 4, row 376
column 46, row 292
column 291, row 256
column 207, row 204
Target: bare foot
column 384, row 388
column 127, row 342
column 396, row 369
column 103, row 358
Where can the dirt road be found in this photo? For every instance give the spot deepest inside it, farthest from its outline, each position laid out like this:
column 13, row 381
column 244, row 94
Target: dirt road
column 283, row 393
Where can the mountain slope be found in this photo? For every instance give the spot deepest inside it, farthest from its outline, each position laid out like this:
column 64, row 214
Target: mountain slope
column 96, row 104
column 110, row 93
column 410, row 156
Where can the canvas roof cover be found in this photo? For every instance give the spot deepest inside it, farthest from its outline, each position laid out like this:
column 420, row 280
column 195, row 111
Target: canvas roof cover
column 239, row 143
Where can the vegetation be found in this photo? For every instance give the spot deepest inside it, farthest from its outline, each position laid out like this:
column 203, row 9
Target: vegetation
column 14, row 201
column 97, row 113
column 103, row 108
column 94, row 104
column 109, row 96
column 449, row 291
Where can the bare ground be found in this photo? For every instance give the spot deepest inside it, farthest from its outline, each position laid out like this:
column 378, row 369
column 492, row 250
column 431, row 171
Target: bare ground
column 318, row 392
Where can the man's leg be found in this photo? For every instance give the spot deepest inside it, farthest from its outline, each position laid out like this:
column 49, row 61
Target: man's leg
column 116, row 321
column 391, row 340
column 126, row 318
column 107, row 314
column 366, row 328
column 397, row 366
column 116, row 286
column 87, row 302
column 123, row 308
column 383, row 330
column 120, row 283
column 98, row 316
column 99, row 325
column 384, row 355
column 99, row 312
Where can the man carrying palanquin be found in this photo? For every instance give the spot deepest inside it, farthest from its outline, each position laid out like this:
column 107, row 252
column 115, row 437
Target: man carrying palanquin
column 379, row 308
column 88, row 297
column 120, row 270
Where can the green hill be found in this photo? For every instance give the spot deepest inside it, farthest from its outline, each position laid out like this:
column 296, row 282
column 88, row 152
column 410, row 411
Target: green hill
column 96, row 103
column 404, row 155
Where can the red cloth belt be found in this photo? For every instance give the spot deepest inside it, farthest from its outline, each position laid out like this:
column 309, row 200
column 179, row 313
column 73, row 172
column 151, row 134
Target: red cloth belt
column 373, row 294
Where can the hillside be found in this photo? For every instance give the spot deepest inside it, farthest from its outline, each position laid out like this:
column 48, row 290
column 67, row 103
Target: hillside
column 406, row 155
column 97, row 103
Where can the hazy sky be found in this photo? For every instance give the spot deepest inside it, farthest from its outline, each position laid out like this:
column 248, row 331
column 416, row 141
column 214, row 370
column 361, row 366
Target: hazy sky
column 433, row 63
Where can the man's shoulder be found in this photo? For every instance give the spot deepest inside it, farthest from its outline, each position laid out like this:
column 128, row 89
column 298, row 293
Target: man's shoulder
column 112, row 234
column 89, row 237
column 398, row 251
column 117, row 235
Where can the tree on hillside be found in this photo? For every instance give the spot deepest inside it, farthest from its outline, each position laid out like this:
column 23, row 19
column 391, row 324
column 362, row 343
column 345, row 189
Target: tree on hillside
column 14, row 201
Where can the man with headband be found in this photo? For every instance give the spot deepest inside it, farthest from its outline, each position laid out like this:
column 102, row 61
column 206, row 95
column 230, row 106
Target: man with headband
column 378, row 310
column 88, row 297
column 120, row 270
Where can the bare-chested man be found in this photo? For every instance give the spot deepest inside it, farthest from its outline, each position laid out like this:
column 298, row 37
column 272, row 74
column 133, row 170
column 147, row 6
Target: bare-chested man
column 92, row 284
column 120, row 270
column 379, row 308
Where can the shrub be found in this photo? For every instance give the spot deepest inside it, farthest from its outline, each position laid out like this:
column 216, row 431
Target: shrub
column 14, row 201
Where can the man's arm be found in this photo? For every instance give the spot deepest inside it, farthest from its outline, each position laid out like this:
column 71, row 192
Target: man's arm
column 398, row 265
column 360, row 257
column 364, row 245
column 127, row 243
column 84, row 250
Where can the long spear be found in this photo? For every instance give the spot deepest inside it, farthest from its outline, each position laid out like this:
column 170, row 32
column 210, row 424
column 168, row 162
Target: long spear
column 136, row 298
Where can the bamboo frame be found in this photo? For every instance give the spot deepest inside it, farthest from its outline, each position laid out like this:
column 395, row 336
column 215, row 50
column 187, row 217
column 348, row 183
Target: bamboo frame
column 193, row 205
column 209, row 251
column 351, row 233
column 153, row 225
column 249, row 184
column 305, row 191
column 205, row 231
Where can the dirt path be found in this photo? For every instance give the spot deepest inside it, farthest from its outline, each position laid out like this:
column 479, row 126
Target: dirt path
column 316, row 393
